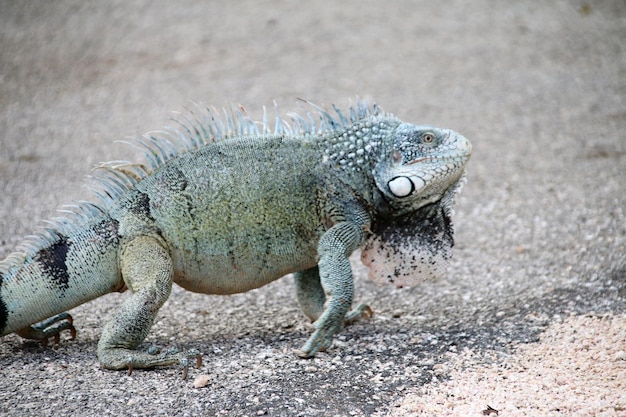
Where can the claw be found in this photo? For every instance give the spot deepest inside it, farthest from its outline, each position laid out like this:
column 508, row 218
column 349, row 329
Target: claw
column 367, row 312
column 302, row 354
column 185, row 369
column 72, row 330
column 49, row 328
column 185, row 363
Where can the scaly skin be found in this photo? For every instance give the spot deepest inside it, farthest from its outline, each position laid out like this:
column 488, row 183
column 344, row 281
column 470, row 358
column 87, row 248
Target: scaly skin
column 224, row 208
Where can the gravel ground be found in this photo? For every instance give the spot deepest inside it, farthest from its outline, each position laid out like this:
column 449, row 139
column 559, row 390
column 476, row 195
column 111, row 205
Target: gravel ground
column 538, row 87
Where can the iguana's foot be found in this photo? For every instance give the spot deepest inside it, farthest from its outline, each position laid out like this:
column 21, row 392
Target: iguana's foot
column 120, row 358
column 48, row 328
column 319, row 341
column 360, row 312
column 322, row 338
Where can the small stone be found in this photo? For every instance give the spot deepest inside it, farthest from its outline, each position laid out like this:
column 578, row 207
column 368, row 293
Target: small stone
column 620, row 356
column 440, row 370
column 201, row 381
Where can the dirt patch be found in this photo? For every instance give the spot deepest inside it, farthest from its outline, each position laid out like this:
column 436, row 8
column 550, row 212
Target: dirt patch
column 577, row 369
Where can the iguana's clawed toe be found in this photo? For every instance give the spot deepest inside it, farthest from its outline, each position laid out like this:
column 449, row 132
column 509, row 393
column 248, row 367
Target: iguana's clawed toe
column 360, row 312
column 322, row 338
column 131, row 360
column 50, row 328
column 185, row 362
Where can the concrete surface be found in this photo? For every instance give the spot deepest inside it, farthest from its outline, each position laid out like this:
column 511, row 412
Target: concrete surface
column 539, row 88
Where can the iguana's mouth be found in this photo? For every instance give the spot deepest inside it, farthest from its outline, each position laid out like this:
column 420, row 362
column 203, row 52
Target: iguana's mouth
column 451, row 159
column 415, row 161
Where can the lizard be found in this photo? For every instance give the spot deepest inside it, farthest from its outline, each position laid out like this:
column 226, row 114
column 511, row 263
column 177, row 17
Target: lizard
column 223, row 204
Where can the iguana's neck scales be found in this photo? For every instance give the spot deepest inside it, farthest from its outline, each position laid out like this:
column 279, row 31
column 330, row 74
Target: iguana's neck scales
column 358, row 147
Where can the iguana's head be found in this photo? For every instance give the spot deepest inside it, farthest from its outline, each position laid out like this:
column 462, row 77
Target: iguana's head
column 420, row 164
column 420, row 171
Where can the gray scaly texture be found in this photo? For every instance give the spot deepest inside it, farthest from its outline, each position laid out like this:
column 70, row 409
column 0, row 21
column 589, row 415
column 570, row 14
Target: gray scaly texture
column 224, row 205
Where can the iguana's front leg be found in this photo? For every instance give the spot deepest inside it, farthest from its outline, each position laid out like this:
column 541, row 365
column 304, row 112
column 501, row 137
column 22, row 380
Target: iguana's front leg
column 335, row 276
column 310, row 293
column 312, row 297
column 147, row 271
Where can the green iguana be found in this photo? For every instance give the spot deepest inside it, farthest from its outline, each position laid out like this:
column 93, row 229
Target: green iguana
column 225, row 205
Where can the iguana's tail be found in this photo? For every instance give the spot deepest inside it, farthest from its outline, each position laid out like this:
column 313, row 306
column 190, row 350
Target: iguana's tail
column 59, row 269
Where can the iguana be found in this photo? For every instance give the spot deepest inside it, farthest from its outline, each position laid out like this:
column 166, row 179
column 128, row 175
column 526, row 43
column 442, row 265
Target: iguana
column 223, row 205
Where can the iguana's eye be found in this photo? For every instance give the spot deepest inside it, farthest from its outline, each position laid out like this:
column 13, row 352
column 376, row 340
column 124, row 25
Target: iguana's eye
column 428, row 137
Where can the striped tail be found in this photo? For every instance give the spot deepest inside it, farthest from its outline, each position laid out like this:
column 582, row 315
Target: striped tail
column 57, row 270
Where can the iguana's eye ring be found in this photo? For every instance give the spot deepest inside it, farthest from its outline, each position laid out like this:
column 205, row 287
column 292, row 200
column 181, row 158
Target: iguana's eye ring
column 401, row 186
column 428, row 137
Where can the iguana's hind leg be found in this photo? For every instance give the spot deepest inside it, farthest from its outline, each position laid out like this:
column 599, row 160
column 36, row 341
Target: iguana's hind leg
column 147, row 271
column 311, row 296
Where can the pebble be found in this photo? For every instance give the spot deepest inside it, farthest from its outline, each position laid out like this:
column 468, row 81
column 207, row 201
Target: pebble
column 201, row 381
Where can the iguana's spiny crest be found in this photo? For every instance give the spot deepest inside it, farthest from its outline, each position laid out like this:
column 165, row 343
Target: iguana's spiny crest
column 197, row 127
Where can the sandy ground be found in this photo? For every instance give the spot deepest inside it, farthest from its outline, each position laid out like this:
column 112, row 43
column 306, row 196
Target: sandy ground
column 577, row 369
column 530, row 319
